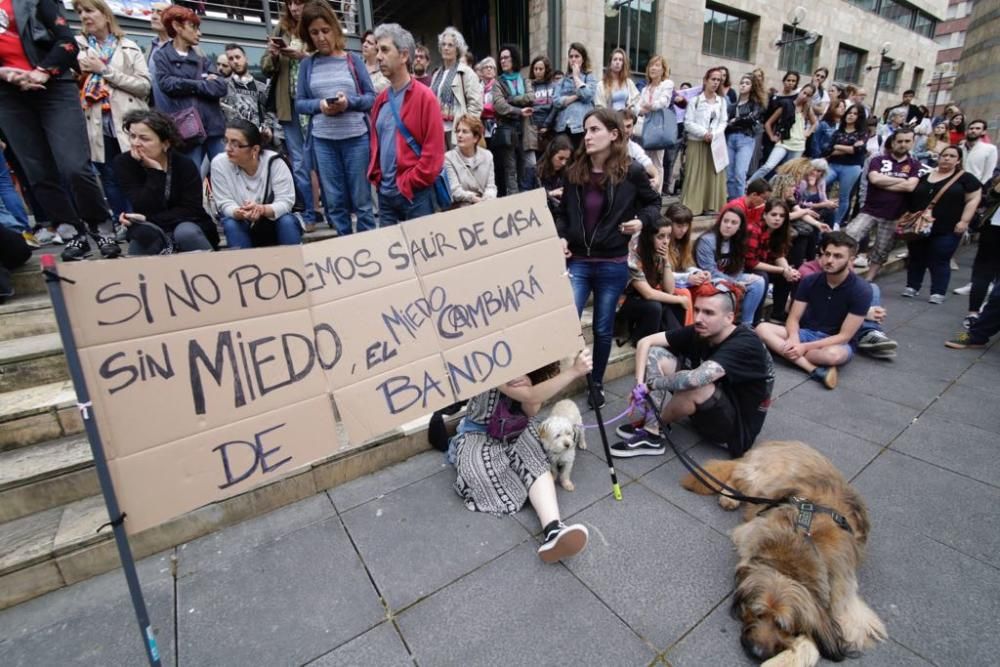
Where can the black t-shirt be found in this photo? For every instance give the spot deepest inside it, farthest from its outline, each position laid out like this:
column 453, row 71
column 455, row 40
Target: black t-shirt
column 749, row 375
column 948, row 210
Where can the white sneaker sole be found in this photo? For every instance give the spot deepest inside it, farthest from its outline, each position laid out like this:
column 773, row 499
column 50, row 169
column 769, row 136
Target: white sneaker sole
column 571, row 541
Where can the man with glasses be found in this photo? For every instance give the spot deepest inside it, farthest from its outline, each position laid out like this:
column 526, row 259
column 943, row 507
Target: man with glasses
column 422, row 65
column 161, row 40
column 828, row 311
column 727, row 390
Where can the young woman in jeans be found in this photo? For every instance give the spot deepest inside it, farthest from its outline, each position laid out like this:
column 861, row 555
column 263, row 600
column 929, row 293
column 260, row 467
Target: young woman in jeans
column 335, row 91
column 847, row 157
column 722, row 252
column 951, row 214
column 607, row 198
column 789, row 134
column 742, row 132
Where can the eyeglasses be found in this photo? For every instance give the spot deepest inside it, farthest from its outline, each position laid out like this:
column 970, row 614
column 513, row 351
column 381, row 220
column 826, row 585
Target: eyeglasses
column 233, row 144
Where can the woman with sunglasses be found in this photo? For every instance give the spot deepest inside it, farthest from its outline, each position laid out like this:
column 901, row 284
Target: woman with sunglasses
column 253, row 191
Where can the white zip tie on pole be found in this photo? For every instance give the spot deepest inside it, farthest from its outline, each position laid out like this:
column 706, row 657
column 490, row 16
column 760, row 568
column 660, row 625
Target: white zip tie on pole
column 84, row 409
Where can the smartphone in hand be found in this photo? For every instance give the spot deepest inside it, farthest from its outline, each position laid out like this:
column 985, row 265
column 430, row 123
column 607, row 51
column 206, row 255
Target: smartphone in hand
column 279, row 42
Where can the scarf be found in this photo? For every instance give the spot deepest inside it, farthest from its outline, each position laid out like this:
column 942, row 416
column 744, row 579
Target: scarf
column 95, row 89
column 514, row 82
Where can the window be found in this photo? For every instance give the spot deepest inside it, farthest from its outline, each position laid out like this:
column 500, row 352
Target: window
column 727, row 33
column 918, row 78
column 925, row 25
column 849, row 64
column 796, row 54
column 867, row 5
column 633, row 28
column 897, row 12
column 888, row 78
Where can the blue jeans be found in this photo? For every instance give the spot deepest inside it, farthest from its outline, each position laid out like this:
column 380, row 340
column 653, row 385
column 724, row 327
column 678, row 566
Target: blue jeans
column 779, row 155
column 301, row 166
column 756, row 290
column 12, row 212
column 209, row 148
column 847, row 175
column 112, row 191
column 869, row 325
column 607, row 280
column 397, row 208
column 741, row 147
column 342, row 165
column 931, row 254
column 238, row 231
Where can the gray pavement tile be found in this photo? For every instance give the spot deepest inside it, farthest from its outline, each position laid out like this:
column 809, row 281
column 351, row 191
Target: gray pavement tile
column 935, row 601
column 520, row 611
column 621, row 387
column 940, row 318
column 716, row 641
column 968, row 405
column 864, row 416
column 949, row 508
column 592, row 481
column 91, row 623
column 880, row 378
column 379, row 646
column 284, row 602
column 786, row 378
column 849, row 453
column 251, row 534
column 361, row 490
column 420, row 538
column 658, row 568
column 683, row 436
column 959, row 447
column 983, row 375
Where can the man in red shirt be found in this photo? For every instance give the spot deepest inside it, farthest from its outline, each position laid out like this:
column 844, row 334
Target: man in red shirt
column 752, row 203
column 406, row 160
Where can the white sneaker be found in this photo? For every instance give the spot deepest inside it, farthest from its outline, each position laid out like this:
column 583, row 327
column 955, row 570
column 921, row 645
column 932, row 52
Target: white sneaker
column 861, row 262
column 936, row 298
column 45, row 237
column 954, row 265
column 963, row 290
column 909, row 292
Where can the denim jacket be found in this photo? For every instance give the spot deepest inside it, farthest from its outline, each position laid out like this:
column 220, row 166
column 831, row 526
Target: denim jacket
column 570, row 118
column 182, row 82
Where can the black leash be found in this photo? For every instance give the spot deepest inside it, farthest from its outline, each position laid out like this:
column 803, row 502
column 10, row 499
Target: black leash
column 806, row 509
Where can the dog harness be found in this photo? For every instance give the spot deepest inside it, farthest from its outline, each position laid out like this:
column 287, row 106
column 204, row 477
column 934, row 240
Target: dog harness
column 807, row 510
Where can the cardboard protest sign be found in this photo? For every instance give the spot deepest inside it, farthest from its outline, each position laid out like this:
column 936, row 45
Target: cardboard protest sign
column 211, row 373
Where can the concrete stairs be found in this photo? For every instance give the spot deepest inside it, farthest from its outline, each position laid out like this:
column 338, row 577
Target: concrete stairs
column 50, row 503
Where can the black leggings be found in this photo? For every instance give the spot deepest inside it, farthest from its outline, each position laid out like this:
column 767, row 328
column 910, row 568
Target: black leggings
column 802, row 247
column 644, row 317
column 986, row 267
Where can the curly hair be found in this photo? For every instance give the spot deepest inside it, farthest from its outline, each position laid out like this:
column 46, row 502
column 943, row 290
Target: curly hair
column 160, row 123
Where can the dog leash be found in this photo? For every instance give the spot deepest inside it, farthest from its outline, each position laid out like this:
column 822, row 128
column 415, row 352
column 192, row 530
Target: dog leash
column 636, row 406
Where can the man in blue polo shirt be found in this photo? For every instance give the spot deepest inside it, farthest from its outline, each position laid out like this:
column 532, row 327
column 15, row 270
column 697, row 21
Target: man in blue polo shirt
column 829, row 308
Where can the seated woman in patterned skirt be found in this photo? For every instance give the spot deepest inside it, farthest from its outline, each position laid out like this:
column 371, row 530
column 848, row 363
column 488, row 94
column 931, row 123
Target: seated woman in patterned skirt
column 497, row 476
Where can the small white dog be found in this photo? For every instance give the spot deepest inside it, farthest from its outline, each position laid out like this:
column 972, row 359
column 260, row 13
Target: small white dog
column 561, row 434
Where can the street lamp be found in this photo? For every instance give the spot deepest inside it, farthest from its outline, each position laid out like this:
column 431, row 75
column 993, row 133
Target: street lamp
column 795, row 17
column 894, row 65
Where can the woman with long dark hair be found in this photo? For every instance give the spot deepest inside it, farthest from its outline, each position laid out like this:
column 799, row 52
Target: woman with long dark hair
column 847, row 157
column 512, row 105
column 607, row 199
column 789, row 130
column 551, row 169
column 537, row 130
column 776, row 261
column 821, row 140
column 575, row 95
column 742, row 131
column 722, row 252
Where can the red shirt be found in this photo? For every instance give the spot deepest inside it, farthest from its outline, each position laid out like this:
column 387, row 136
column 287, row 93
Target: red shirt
column 11, row 52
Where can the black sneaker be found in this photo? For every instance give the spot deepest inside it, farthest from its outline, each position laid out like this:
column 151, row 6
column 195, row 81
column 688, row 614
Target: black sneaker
column 601, row 401
column 643, row 443
column 108, row 246
column 627, row 430
column 562, row 541
column 969, row 321
column 76, row 249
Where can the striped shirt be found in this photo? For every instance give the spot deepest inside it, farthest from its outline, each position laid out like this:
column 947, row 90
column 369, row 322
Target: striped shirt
column 331, row 75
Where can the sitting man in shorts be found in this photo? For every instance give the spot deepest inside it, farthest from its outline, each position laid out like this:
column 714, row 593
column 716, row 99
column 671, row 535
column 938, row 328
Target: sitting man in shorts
column 728, row 389
column 828, row 310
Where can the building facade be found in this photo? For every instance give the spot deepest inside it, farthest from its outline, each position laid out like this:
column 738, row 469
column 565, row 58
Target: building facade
column 846, row 36
column 950, row 36
column 975, row 88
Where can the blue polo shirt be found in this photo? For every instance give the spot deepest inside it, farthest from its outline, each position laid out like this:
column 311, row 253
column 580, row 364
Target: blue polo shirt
column 827, row 307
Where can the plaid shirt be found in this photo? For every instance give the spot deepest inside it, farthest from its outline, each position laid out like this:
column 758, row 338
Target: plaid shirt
column 758, row 234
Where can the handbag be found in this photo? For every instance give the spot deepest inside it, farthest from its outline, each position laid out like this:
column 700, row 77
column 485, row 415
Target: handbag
column 659, row 130
column 503, row 136
column 917, row 224
column 188, row 120
column 506, row 423
column 442, row 191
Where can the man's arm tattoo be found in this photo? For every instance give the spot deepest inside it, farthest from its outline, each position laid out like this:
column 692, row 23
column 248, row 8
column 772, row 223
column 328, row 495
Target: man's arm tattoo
column 705, row 374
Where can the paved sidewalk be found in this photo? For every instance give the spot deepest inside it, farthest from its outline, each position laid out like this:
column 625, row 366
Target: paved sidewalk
column 392, row 570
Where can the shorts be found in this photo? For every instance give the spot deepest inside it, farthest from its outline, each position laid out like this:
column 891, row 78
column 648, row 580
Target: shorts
column 885, row 235
column 810, row 335
column 717, row 420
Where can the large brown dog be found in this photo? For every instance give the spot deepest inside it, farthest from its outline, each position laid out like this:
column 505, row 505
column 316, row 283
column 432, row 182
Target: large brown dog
column 796, row 592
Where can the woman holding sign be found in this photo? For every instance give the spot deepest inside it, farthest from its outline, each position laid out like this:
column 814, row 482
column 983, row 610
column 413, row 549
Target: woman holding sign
column 607, row 198
column 499, row 458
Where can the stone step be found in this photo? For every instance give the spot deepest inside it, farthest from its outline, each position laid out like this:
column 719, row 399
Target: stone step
column 29, row 361
column 26, row 316
column 55, row 546
column 46, row 475
column 37, row 414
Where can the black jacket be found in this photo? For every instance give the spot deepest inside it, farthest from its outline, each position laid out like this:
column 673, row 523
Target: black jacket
column 146, row 189
column 46, row 37
column 634, row 197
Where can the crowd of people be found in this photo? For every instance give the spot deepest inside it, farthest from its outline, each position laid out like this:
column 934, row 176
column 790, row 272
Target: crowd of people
column 164, row 150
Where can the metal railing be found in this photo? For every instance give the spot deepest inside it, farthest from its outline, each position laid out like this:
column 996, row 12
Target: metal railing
column 269, row 12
